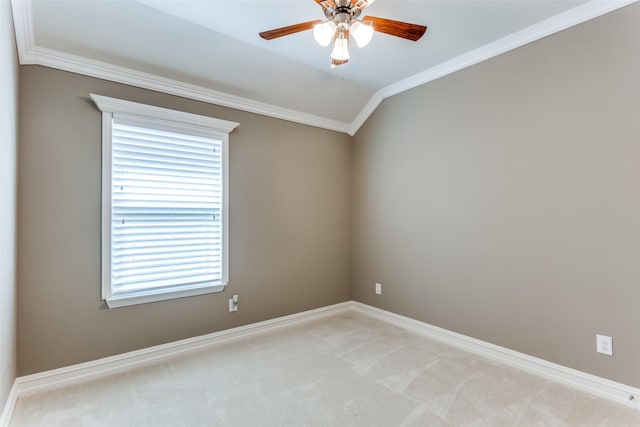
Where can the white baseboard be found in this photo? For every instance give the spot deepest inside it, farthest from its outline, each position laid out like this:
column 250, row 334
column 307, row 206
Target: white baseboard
column 94, row 369
column 61, row 377
column 592, row 384
column 8, row 406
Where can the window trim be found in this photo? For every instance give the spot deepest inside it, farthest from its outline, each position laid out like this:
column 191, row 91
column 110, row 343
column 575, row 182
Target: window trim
column 111, row 106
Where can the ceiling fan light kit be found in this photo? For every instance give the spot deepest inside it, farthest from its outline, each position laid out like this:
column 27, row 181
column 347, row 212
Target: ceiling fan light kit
column 361, row 32
column 324, row 32
column 342, row 21
column 340, row 50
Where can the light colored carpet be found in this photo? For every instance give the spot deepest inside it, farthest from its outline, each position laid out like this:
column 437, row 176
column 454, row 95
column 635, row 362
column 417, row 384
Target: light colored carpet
column 346, row 370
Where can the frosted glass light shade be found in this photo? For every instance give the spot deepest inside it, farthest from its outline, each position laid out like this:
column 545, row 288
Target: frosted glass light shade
column 362, row 33
column 323, row 33
column 340, row 48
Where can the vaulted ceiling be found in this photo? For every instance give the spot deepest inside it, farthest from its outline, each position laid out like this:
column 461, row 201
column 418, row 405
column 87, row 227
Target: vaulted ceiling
column 211, row 51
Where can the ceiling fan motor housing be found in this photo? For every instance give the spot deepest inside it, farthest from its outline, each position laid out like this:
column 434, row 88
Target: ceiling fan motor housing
column 343, row 13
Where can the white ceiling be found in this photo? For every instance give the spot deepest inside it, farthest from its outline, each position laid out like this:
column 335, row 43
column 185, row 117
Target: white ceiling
column 210, row 50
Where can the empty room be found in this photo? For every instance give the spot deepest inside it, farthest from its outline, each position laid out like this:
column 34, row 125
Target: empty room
column 319, row 213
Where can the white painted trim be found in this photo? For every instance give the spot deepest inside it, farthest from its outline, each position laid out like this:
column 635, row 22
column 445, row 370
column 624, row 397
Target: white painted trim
column 114, row 105
column 106, row 205
column 87, row 371
column 592, row 384
column 181, row 122
column 155, row 296
column 225, row 211
column 23, row 27
column 9, row 405
column 30, row 53
column 109, row 365
column 570, row 18
column 364, row 114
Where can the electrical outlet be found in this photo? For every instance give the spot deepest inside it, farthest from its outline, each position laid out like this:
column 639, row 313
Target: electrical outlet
column 379, row 288
column 233, row 304
column 604, row 345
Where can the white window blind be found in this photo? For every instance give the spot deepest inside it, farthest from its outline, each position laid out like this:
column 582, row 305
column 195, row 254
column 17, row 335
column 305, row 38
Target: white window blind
column 164, row 217
column 166, row 208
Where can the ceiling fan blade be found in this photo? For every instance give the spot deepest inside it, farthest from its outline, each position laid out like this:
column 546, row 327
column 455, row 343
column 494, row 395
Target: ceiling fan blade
column 396, row 28
column 361, row 4
column 326, row 3
column 291, row 29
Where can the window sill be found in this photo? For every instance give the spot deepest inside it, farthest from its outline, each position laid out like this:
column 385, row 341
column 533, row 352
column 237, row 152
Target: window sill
column 155, row 296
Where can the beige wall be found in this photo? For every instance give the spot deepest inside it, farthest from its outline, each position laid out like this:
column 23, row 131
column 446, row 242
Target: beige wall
column 503, row 201
column 500, row 202
column 8, row 148
column 289, row 228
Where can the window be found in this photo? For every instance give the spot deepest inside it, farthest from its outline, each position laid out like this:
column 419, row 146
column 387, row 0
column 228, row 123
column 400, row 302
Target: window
column 164, row 203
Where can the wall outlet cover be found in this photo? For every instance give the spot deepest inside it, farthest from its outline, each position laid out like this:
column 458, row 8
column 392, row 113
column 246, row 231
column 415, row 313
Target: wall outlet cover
column 379, row 288
column 604, row 345
column 233, row 305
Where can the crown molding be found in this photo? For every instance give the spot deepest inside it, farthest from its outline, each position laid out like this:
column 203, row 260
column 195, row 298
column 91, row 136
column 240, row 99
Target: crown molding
column 366, row 111
column 88, row 67
column 23, row 26
column 30, row 53
column 570, row 18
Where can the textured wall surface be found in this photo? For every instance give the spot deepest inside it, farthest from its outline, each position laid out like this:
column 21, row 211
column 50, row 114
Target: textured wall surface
column 8, row 149
column 289, row 225
column 502, row 201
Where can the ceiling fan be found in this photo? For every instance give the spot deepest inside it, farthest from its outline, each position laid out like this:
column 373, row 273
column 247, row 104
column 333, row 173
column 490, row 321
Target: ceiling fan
column 342, row 21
